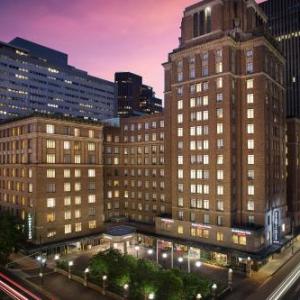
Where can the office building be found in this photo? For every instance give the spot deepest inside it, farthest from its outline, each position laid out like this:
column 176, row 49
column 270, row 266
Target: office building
column 135, row 98
column 284, row 23
column 51, row 177
column 34, row 78
column 293, row 174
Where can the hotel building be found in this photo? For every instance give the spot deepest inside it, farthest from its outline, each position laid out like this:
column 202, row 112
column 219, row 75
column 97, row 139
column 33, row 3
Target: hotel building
column 34, row 78
column 51, row 176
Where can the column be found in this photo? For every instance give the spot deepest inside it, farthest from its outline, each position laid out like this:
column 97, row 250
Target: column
column 172, row 256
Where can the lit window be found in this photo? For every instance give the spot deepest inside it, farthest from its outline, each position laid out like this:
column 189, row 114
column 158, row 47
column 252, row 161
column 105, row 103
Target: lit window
column 250, row 84
column 68, row 215
column 68, row 228
column 180, row 132
column 50, row 173
column 67, row 201
column 91, row 198
column 250, row 159
column 180, row 104
column 251, row 190
column 78, row 227
column 180, row 229
column 250, row 99
column 219, row 128
column 219, row 83
column 220, row 236
column 50, row 128
column 92, row 224
column 91, row 147
column 250, row 128
column 91, row 173
column 67, row 173
column 250, row 205
column 50, row 144
column 50, row 158
column 91, row 133
column 77, row 159
column 77, row 173
column 250, row 113
column 67, row 187
column 67, row 145
column 50, row 202
column 250, row 144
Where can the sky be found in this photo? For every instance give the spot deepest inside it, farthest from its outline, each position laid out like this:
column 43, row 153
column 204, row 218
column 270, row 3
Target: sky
column 101, row 36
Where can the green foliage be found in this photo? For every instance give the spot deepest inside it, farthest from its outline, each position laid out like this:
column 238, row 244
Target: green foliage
column 11, row 235
column 145, row 277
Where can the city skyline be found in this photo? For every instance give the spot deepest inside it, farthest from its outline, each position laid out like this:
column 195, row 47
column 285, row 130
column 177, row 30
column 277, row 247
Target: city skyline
column 77, row 30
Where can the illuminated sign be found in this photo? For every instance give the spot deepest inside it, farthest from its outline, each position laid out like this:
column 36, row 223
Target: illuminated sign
column 201, row 226
column 276, row 226
column 240, row 231
column 167, row 220
column 29, row 222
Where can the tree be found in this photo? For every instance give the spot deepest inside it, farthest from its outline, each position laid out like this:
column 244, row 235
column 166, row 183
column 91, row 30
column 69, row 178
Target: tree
column 11, row 235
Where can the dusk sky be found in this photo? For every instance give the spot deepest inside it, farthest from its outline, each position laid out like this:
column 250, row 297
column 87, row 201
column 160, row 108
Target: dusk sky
column 100, row 36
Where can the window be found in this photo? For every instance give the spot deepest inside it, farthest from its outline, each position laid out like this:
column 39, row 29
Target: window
column 220, row 159
column 250, row 113
column 91, row 146
column 77, row 200
column 220, row 236
column 50, row 158
column 50, row 128
column 179, row 118
column 250, row 144
column 91, row 133
column 76, row 132
column 219, row 128
column 251, row 190
column 50, row 202
column 180, row 132
column 250, row 83
column 67, row 145
column 250, row 159
column 68, row 215
column 180, row 104
column 250, row 128
column 92, row 224
column 67, row 173
column 50, row 144
column 77, row 159
column 77, row 173
column 180, row 229
column 77, row 186
column 50, row 217
column 220, row 174
column 219, row 97
column 67, row 187
column 250, row 205
column 219, row 67
column 78, row 227
column 91, row 173
column 50, row 173
column 220, row 205
column 250, row 99
column 219, row 83
column 91, row 198
column 67, row 201
column 219, row 113
column 220, row 190
column 68, row 228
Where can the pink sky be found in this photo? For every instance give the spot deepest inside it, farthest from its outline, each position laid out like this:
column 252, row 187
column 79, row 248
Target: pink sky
column 100, row 36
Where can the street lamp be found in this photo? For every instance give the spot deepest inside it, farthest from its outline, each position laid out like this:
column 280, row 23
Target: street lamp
column 56, row 259
column 126, row 288
column 214, row 291
column 180, row 260
column 151, row 296
column 42, row 261
column 85, row 274
column 230, row 279
column 70, row 265
column 137, row 248
column 198, row 296
column 248, row 266
column 104, row 278
column 198, row 264
column 164, row 256
column 150, row 251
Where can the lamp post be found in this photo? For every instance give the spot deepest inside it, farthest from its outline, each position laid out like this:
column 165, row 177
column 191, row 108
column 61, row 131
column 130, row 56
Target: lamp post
column 165, row 256
column 198, row 264
column 214, row 291
column 126, row 288
column 42, row 262
column 56, row 259
column 248, row 266
column 198, row 296
column 70, row 265
column 180, row 261
column 85, row 275
column 137, row 249
column 151, row 296
column 230, row 279
column 104, row 278
column 150, row 252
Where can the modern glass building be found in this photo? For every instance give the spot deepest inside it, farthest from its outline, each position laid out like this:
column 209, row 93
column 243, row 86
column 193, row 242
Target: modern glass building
column 34, row 78
column 284, row 22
